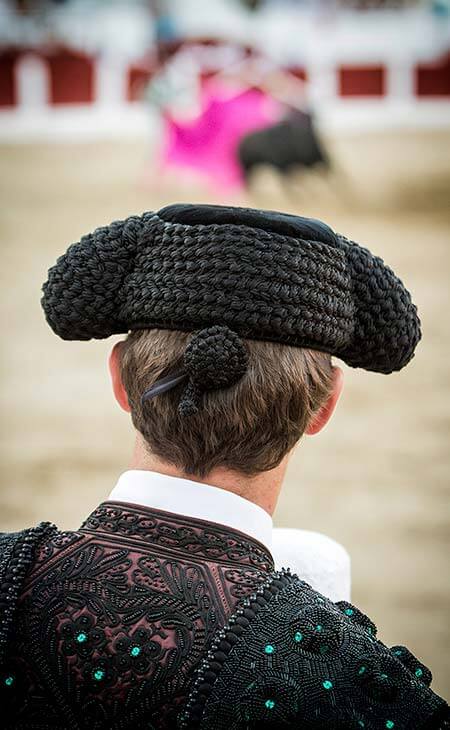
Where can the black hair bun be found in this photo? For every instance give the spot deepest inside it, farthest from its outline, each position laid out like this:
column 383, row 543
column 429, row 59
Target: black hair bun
column 215, row 358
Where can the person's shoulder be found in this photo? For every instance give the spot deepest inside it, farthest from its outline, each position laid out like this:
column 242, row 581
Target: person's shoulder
column 290, row 657
column 18, row 554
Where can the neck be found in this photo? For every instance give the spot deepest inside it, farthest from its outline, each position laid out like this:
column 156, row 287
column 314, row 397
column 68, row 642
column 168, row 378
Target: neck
column 262, row 489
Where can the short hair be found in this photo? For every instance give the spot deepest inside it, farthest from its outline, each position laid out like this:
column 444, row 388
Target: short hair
column 248, row 427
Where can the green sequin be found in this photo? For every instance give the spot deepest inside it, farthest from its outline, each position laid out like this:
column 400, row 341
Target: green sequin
column 270, row 704
column 327, row 684
column 269, row 649
column 99, row 674
column 389, row 724
column 298, row 636
column 361, row 670
column 349, row 612
column 319, row 628
column 383, row 676
column 398, row 652
column 323, row 649
column 418, row 672
column 81, row 637
column 9, row 681
column 135, row 650
column 361, row 724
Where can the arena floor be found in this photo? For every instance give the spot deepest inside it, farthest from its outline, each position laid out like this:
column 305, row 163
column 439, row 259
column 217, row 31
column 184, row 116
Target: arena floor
column 377, row 480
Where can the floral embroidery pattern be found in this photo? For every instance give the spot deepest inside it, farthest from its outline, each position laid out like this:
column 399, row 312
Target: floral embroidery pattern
column 138, row 651
column 81, row 637
column 120, row 615
column 100, row 674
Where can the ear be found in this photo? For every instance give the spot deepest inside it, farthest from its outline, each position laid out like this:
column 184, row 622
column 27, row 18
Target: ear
column 323, row 415
column 114, row 369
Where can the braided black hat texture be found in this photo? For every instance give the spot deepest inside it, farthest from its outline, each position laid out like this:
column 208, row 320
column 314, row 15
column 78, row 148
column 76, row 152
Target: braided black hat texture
column 260, row 274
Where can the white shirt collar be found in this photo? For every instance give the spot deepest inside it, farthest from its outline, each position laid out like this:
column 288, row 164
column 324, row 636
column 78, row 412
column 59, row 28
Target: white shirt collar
column 194, row 499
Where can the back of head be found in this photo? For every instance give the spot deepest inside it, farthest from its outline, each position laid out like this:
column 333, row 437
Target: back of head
column 248, row 427
column 263, row 294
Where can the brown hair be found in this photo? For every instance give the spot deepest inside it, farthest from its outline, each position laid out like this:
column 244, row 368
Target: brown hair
column 247, row 428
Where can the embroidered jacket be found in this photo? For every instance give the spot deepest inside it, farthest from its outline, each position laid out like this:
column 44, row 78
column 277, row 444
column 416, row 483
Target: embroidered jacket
column 144, row 619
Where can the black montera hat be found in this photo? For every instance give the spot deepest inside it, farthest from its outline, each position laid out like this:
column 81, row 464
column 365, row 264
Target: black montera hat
column 261, row 274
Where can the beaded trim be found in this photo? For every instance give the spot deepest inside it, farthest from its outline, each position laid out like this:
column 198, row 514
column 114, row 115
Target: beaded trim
column 16, row 556
column 207, row 675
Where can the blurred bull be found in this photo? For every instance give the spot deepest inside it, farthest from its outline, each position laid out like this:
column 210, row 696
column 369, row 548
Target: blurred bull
column 287, row 146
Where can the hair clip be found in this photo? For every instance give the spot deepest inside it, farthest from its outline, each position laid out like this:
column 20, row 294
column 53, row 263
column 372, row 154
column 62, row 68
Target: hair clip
column 164, row 384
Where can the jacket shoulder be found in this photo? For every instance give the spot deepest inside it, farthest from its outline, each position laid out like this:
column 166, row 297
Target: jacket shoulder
column 17, row 555
column 289, row 657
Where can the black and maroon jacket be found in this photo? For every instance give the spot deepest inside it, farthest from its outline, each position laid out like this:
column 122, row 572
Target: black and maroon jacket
column 146, row 619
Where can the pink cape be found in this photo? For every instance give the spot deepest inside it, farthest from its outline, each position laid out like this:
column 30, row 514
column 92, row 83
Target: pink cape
column 208, row 144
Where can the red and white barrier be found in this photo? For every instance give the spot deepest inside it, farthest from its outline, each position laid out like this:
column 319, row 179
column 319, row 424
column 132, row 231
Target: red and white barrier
column 62, row 93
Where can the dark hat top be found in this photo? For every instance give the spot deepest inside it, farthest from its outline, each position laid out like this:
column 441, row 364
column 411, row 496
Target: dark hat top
column 264, row 275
